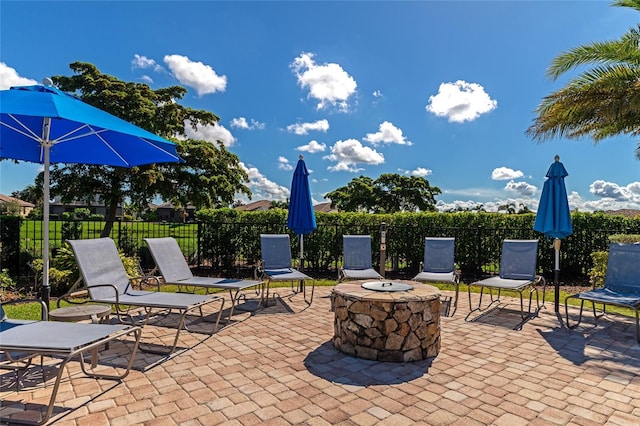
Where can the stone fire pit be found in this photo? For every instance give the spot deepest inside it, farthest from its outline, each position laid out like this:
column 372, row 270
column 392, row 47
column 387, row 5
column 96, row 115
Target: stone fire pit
column 397, row 326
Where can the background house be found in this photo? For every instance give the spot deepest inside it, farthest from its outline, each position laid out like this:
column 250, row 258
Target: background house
column 57, row 207
column 25, row 207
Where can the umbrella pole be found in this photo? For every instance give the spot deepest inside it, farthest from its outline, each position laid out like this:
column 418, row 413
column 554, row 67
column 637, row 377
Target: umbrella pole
column 556, row 272
column 301, row 283
column 46, row 289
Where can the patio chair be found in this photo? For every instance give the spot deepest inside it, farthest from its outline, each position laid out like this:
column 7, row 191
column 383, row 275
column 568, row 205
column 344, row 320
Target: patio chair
column 21, row 341
column 107, row 282
column 517, row 273
column 174, row 269
column 621, row 284
column 356, row 254
column 438, row 266
column 276, row 265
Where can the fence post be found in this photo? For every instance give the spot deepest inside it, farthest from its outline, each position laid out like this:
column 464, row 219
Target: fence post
column 383, row 246
column 198, row 243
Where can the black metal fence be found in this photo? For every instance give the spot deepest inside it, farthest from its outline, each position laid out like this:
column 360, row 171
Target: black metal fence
column 233, row 248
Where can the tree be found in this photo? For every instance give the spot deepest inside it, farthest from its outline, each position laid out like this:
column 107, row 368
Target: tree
column 356, row 196
column 602, row 101
column 389, row 193
column 210, row 176
column 31, row 193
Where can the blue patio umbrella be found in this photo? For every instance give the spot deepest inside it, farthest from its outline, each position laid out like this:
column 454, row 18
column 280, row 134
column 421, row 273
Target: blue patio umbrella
column 302, row 217
column 554, row 217
column 44, row 125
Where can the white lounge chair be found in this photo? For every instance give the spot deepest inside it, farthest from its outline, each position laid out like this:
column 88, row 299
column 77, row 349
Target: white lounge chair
column 174, row 269
column 107, row 282
column 21, row 341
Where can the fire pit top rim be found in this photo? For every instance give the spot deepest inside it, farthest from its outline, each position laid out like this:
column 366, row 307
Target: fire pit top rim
column 386, row 286
column 353, row 290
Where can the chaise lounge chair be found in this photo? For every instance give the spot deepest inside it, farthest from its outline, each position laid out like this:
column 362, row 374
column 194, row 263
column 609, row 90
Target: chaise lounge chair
column 357, row 264
column 21, row 341
column 517, row 273
column 276, row 265
column 108, row 282
column 438, row 265
column 621, row 284
column 174, row 269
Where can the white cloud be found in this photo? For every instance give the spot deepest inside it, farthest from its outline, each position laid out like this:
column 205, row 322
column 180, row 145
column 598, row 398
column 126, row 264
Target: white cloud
column 242, row 123
column 146, row 79
column 263, row 188
column 419, row 171
column 604, row 204
column 304, row 128
column 201, row 77
column 603, row 189
column 387, row 133
column 349, row 153
column 490, row 206
column 505, row 173
column 461, row 101
column 283, row 164
column 210, row 133
column 141, row 61
column 523, row 188
column 312, row 147
column 377, row 94
column 9, row 77
column 329, row 84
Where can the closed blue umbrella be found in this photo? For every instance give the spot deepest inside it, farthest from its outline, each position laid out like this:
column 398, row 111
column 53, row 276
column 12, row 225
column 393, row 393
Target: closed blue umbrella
column 554, row 217
column 301, row 218
column 44, row 125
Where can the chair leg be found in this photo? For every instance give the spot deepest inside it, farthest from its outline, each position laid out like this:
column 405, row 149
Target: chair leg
column 313, row 287
column 455, row 302
column 637, row 325
column 566, row 309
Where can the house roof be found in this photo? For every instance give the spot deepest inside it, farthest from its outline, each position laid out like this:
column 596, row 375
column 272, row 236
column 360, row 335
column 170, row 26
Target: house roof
column 624, row 212
column 255, row 206
column 262, row 205
column 325, row 208
column 8, row 199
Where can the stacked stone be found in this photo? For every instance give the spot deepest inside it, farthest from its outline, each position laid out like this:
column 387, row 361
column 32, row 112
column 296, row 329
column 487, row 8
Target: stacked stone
column 395, row 331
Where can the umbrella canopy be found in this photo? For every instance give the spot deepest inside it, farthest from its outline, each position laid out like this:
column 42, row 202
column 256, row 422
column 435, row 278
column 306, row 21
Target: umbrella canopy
column 301, row 218
column 554, row 217
column 42, row 124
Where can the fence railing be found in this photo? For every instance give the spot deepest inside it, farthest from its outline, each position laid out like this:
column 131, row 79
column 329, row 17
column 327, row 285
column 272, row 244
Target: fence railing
column 233, row 248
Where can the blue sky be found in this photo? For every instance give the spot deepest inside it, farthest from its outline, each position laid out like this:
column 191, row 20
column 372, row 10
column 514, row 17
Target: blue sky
column 444, row 90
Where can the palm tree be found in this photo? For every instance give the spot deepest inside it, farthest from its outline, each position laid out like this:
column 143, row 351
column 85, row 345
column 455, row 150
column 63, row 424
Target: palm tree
column 601, row 102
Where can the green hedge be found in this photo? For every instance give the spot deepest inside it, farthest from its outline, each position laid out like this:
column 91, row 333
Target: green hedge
column 228, row 236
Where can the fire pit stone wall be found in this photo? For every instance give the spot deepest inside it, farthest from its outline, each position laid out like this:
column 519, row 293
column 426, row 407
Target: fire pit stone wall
column 384, row 326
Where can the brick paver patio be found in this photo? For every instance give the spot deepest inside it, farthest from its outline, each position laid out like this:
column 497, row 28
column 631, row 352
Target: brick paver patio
column 278, row 367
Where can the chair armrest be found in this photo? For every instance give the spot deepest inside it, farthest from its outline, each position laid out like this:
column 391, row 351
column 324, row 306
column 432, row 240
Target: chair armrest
column 44, row 311
column 145, row 279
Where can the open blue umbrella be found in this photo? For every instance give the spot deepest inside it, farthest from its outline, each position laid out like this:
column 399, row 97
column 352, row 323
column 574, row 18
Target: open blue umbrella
column 554, row 217
column 44, row 125
column 301, row 218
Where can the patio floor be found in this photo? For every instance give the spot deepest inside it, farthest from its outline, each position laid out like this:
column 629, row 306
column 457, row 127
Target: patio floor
column 278, row 366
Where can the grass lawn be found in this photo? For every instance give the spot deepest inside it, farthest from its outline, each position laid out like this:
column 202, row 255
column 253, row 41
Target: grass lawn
column 32, row 310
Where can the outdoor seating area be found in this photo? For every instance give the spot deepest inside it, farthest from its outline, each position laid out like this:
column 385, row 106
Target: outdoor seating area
column 279, row 366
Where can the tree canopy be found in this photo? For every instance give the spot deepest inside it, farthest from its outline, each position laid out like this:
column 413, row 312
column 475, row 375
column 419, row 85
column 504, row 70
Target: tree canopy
column 210, row 176
column 603, row 100
column 389, row 193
